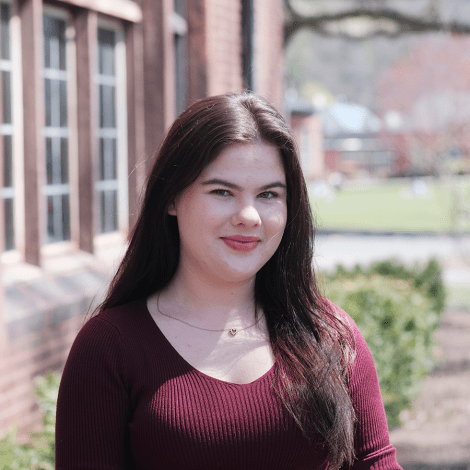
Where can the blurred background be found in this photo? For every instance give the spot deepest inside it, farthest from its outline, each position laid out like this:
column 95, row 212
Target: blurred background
column 378, row 95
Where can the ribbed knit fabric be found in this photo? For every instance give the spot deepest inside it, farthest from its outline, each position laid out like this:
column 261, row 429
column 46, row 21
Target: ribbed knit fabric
column 128, row 400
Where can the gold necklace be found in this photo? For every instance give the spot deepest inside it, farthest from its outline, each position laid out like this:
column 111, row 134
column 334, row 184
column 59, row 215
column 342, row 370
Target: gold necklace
column 232, row 331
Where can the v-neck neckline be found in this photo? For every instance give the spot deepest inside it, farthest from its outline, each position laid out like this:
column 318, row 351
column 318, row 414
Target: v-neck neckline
column 189, row 366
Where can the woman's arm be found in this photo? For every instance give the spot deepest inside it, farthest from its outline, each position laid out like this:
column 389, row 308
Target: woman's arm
column 93, row 405
column 372, row 444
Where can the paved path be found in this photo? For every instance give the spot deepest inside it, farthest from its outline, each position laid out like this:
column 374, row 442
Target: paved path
column 436, row 432
column 454, row 254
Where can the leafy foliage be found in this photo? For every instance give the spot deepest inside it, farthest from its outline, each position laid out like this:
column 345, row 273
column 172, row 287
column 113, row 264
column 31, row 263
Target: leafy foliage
column 397, row 309
column 39, row 454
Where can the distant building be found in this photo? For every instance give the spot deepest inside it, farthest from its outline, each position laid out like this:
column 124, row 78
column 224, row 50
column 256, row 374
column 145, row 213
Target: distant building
column 307, row 127
column 88, row 90
column 352, row 141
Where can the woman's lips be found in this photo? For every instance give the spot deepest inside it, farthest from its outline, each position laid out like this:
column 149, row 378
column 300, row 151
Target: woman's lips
column 241, row 243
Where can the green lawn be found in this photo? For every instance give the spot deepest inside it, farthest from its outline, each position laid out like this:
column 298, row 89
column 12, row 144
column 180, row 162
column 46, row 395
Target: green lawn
column 391, row 206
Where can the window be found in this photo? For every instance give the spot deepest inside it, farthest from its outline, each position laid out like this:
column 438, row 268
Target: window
column 180, row 29
column 107, row 181
column 6, row 129
column 56, row 132
column 248, row 44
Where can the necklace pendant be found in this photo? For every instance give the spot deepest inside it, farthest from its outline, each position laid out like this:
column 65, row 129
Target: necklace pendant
column 233, row 331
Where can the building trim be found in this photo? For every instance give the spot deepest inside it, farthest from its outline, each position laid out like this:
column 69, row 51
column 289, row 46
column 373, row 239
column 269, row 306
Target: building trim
column 123, row 9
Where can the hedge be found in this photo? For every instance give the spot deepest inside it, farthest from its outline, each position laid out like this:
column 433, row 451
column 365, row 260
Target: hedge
column 39, row 454
column 397, row 309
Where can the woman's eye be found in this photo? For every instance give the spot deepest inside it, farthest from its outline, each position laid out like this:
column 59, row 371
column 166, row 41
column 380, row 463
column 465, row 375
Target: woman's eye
column 221, row 192
column 267, row 195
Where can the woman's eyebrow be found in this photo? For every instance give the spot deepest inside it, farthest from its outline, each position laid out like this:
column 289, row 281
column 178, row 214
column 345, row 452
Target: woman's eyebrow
column 222, row 183
column 275, row 184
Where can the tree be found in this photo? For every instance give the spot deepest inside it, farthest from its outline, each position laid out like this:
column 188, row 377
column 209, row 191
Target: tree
column 364, row 19
column 433, row 102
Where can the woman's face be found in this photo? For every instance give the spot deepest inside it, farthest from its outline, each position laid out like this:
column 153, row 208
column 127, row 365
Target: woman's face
column 232, row 218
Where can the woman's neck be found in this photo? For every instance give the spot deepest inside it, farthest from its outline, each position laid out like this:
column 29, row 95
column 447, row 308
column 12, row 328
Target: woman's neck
column 194, row 296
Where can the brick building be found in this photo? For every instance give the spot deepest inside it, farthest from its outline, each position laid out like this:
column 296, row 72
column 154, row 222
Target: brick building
column 88, row 89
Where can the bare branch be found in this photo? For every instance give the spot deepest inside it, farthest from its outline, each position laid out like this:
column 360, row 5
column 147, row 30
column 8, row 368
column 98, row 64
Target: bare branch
column 385, row 21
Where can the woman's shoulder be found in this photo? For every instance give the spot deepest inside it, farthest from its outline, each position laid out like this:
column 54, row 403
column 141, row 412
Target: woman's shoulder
column 116, row 323
column 123, row 316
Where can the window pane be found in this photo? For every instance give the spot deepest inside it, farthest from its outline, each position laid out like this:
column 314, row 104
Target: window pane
column 107, row 108
column 50, row 218
column 58, row 218
column 64, row 161
column 9, row 227
column 180, row 7
column 6, row 96
column 7, row 161
column 106, row 46
column 108, row 212
column 181, row 73
column 63, row 103
column 49, row 165
column 5, row 31
column 47, row 96
column 54, row 42
column 65, row 217
column 107, row 160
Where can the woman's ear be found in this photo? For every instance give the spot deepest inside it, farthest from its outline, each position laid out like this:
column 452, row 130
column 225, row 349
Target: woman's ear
column 172, row 208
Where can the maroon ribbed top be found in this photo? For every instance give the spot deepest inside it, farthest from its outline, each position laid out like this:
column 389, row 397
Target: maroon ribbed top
column 128, row 400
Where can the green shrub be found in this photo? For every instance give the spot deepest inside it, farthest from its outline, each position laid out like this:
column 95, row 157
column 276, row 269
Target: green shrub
column 39, row 454
column 397, row 309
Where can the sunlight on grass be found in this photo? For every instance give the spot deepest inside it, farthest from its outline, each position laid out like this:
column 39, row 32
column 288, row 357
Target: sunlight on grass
column 389, row 206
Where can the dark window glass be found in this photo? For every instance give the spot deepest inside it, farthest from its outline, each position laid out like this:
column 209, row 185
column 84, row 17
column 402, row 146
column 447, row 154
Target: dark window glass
column 7, row 161
column 180, row 7
column 181, row 73
column 107, row 159
column 107, row 106
column 64, row 161
column 106, row 51
column 49, row 163
column 108, row 211
column 63, row 103
column 54, row 42
column 9, row 228
column 248, row 43
column 58, row 218
column 65, row 217
column 50, row 218
column 5, row 31
column 48, row 101
column 6, row 96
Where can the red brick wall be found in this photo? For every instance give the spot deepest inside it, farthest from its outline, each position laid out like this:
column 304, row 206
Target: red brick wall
column 26, row 354
column 224, row 46
column 269, row 34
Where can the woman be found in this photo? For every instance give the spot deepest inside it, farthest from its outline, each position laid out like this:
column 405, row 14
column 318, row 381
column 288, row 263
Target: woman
column 214, row 347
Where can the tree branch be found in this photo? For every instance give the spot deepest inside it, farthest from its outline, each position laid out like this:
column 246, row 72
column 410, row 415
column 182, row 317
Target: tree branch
column 387, row 22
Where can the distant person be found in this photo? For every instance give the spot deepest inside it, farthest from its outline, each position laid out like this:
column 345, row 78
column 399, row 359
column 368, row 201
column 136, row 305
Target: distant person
column 214, row 348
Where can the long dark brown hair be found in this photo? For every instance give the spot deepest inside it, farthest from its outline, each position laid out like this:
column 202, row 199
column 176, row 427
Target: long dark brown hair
column 311, row 345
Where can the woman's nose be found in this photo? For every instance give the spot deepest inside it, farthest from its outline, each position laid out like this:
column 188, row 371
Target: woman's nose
column 247, row 215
